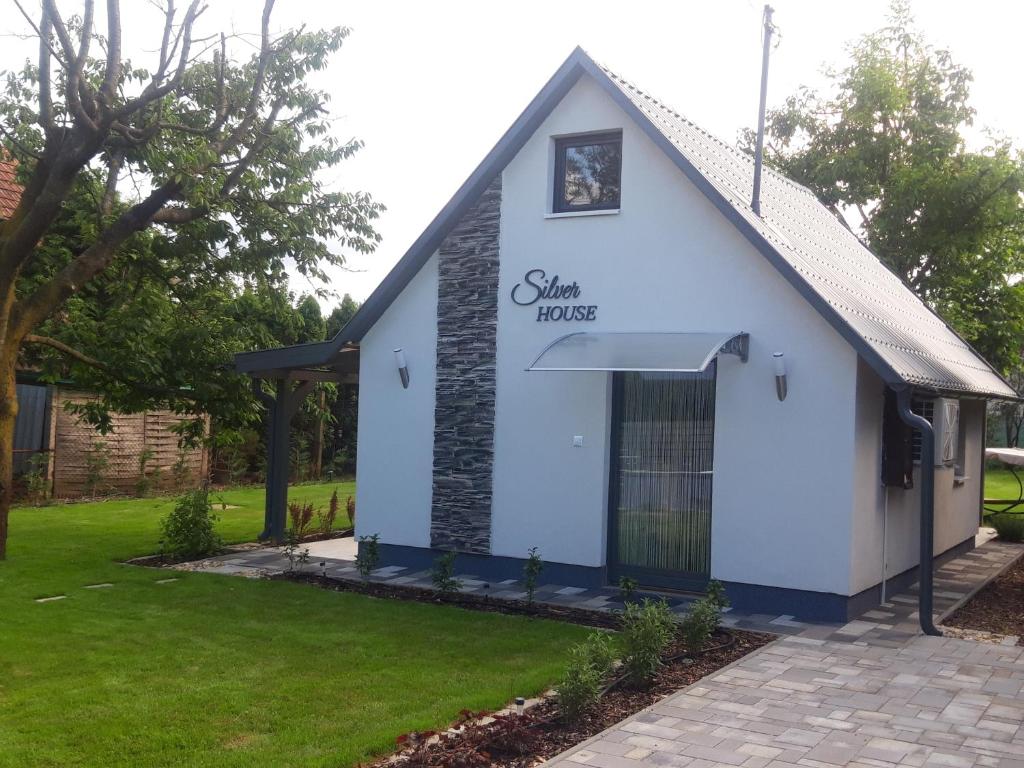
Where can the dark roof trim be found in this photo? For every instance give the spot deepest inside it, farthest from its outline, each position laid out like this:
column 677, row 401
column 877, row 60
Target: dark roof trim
column 428, row 242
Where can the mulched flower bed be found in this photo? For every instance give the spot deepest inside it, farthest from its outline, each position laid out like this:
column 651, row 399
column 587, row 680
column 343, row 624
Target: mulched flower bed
column 998, row 608
column 520, row 741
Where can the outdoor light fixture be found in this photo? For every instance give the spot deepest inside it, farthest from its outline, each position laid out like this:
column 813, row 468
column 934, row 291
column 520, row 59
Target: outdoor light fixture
column 780, row 375
column 403, row 367
column 520, row 705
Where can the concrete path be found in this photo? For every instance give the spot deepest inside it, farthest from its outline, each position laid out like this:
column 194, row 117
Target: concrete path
column 936, row 702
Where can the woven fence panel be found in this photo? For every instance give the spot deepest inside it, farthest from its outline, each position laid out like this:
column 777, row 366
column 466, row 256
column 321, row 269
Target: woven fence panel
column 87, row 463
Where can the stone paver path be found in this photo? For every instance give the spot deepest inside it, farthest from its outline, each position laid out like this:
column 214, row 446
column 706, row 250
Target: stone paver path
column 935, row 702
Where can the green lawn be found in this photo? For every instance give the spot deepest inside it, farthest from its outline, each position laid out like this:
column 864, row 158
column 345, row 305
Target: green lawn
column 225, row 671
column 999, row 484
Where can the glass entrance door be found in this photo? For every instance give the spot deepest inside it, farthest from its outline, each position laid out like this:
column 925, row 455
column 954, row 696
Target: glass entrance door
column 663, row 429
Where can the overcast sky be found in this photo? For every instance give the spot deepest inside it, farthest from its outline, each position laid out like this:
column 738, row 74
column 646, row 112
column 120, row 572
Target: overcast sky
column 431, row 86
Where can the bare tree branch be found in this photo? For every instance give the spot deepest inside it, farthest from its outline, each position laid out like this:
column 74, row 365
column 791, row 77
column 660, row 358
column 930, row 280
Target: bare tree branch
column 110, row 190
column 64, row 349
column 45, row 88
column 112, row 76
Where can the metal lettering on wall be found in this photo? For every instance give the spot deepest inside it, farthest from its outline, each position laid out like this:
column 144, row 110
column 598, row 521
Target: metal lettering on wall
column 537, row 287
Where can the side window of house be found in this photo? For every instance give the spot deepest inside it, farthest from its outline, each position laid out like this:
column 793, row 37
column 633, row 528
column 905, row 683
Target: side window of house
column 588, row 172
column 924, row 408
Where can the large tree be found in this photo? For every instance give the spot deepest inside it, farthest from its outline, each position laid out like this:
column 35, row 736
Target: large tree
column 884, row 147
column 198, row 178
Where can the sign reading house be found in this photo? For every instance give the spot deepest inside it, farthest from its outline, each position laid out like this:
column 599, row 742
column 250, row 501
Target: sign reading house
column 552, row 298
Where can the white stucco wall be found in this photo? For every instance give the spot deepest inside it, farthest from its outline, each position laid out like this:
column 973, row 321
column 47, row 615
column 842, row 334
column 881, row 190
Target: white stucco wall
column 895, row 512
column 669, row 261
column 394, row 465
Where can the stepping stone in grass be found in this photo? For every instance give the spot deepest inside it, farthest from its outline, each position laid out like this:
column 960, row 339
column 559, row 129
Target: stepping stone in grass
column 50, row 599
column 165, row 581
column 104, row 585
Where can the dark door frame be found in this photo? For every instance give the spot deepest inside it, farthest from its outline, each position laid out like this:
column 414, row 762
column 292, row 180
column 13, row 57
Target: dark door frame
column 646, row 577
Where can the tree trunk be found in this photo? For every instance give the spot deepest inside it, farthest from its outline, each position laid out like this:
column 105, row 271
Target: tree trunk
column 8, row 413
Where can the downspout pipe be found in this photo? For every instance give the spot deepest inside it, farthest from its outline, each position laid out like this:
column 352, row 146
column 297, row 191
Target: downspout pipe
column 924, row 568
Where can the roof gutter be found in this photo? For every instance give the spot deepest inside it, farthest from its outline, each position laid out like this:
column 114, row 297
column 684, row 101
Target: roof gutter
column 924, row 568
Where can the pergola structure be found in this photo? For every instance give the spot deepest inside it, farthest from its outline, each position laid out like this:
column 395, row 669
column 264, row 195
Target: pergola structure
column 294, row 371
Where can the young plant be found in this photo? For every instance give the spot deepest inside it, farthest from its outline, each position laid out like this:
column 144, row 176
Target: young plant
column 531, row 570
column 368, row 556
column 443, row 574
column 627, row 588
column 188, row 530
column 36, row 482
column 647, row 631
column 97, row 461
column 325, row 521
column 350, row 508
column 297, row 555
column 144, row 481
column 590, row 664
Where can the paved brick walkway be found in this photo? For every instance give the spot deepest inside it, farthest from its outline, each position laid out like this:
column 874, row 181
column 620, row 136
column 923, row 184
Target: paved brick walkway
column 935, row 702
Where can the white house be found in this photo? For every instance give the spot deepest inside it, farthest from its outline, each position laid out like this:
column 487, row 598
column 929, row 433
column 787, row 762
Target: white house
column 607, row 355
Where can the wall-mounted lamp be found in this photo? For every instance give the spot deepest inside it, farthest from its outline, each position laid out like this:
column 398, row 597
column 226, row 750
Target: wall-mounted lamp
column 781, row 387
column 403, row 367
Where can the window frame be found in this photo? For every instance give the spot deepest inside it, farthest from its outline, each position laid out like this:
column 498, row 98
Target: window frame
column 562, row 144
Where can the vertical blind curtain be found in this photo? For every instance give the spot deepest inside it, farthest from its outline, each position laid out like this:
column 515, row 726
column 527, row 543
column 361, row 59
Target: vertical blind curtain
column 664, row 470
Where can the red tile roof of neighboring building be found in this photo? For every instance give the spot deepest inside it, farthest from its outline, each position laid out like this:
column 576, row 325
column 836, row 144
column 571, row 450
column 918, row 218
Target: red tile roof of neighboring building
column 10, row 190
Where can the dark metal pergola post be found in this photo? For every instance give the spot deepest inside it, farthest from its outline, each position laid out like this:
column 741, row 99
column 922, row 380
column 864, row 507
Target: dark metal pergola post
column 281, row 408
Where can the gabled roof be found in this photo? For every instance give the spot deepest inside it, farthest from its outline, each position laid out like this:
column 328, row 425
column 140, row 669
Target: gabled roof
column 868, row 305
column 10, row 190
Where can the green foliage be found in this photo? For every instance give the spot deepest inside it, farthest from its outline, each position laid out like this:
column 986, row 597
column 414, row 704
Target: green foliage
column 627, row 588
column 297, row 555
column 313, row 326
column 704, row 616
column 188, row 530
column 531, row 570
column 97, row 461
column 368, row 556
column 647, row 631
column 341, row 314
column 443, row 574
column 580, row 686
column 884, row 148
column 37, row 484
column 1008, row 525
column 145, row 480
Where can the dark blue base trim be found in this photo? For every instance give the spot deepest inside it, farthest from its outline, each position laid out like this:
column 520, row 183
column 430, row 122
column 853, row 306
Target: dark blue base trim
column 745, row 598
column 827, row 606
column 493, row 567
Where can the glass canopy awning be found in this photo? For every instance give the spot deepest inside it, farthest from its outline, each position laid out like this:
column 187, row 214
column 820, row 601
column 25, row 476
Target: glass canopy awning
column 623, row 351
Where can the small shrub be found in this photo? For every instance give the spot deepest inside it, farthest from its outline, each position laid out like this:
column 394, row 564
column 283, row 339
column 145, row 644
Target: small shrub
column 704, row 617
column 36, row 483
column 144, row 482
column 1009, row 526
column 531, row 570
column 368, row 556
column 350, row 508
column 627, row 588
column 647, row 630
column 443, row 574
column 97, row 461
column 297, row 555
column 188, row 530
column 301, row 516
column 590, row 664
column 325, row 521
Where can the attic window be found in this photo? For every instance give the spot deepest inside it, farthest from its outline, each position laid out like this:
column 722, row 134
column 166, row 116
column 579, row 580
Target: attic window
column 588, row 171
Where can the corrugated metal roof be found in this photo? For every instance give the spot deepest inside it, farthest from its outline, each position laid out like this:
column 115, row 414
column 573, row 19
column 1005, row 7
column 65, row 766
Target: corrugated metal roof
column 893, row 322
column 10, row 190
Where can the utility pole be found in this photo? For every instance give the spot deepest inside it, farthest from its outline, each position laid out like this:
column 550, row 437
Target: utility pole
column 769, row 28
